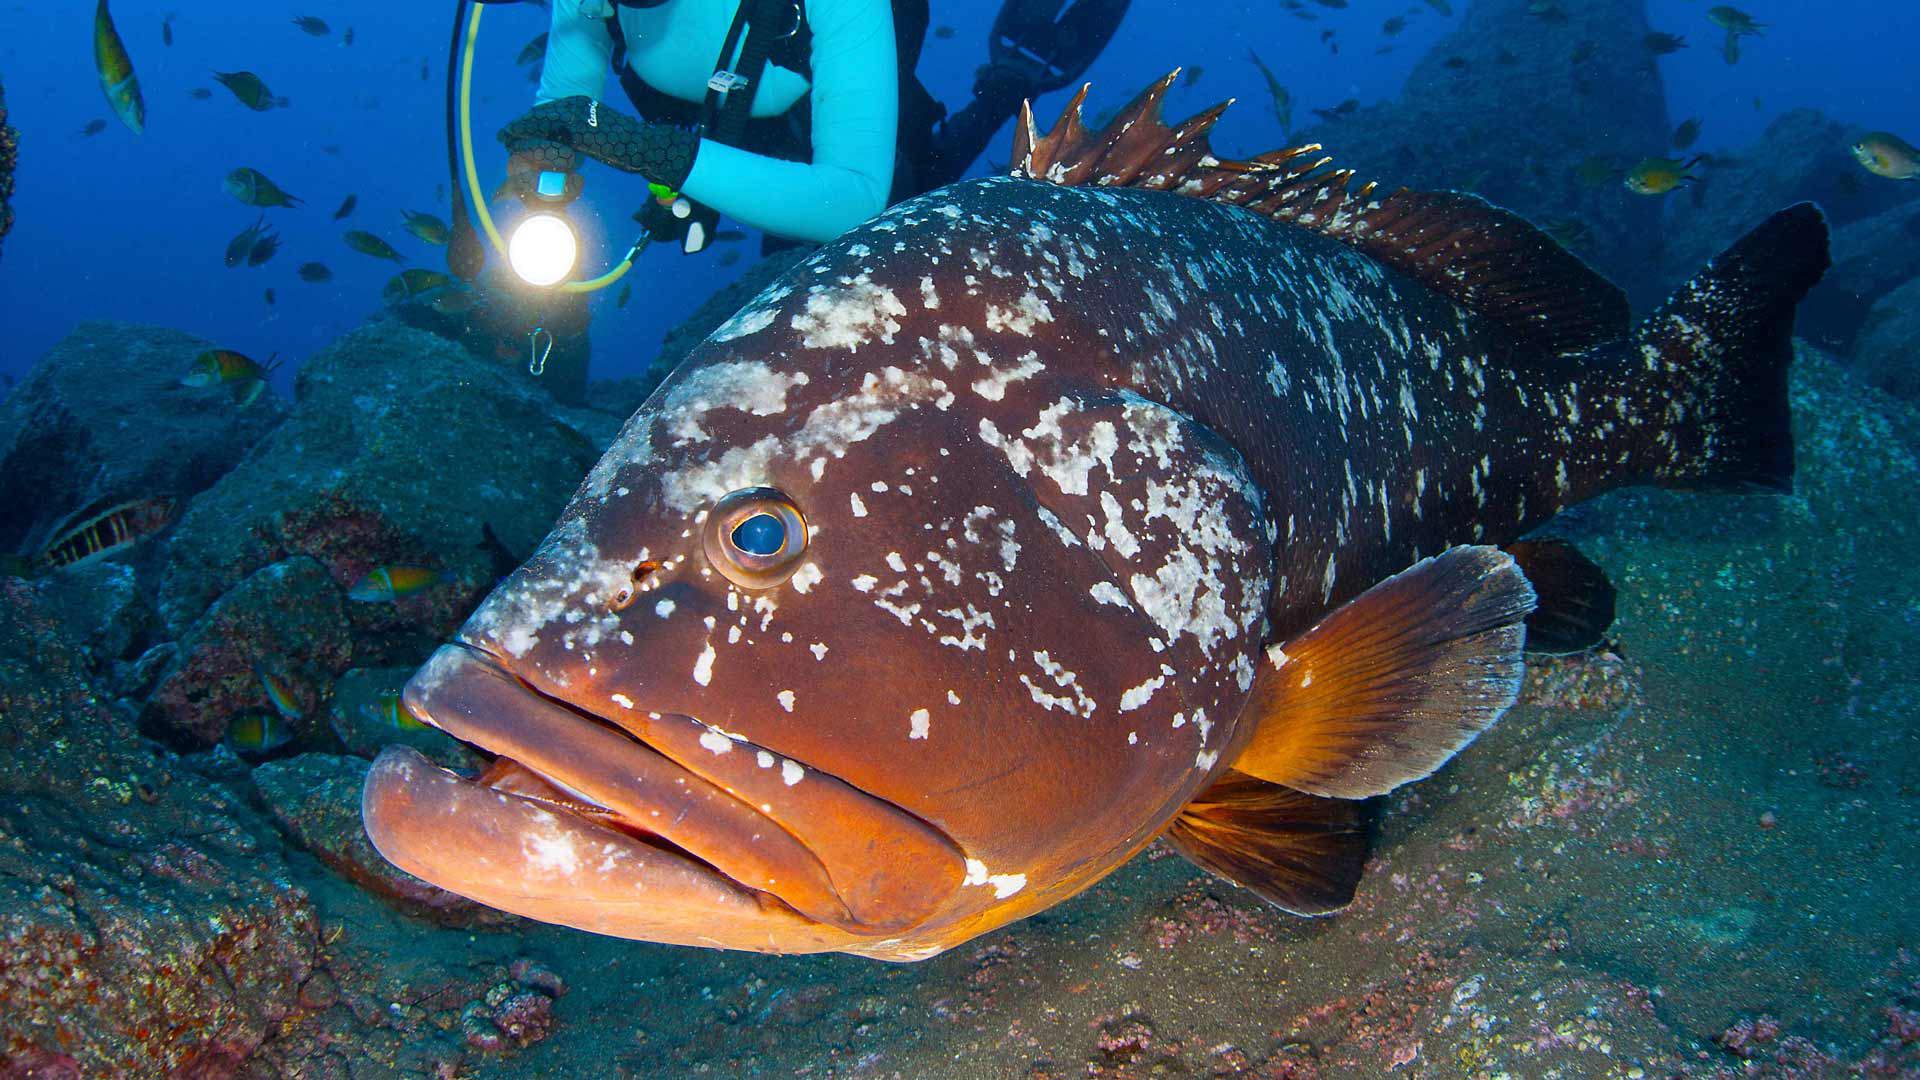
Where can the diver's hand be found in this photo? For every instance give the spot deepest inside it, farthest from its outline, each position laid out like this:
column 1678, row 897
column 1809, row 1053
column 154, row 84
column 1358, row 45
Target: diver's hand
column 552, row 136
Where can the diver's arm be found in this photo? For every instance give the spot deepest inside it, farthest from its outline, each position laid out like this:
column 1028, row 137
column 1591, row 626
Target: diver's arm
column 856, row 102
column 579, row 51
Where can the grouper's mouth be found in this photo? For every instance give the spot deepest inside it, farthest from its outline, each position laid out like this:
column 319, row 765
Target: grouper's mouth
column 645, row 825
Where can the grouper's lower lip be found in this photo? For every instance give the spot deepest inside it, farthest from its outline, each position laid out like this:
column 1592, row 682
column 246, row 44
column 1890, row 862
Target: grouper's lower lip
column 674, row 836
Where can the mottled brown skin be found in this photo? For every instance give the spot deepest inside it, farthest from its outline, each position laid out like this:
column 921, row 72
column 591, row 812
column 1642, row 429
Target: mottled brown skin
column 1215, row 406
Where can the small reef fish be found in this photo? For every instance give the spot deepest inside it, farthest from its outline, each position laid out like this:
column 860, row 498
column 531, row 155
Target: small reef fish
column 928, row 590
column 243, row 243
column 94, row 127
column 1661, row 44
column 1659, row 175
column 1343, row 109
column 249, row 90
column 1888, row 155
column 268, row 296
column 1282, row 100
column 224, row 367
column 1737, row 24
column 315, row 272
column 410, row 283
column 95, row 533
column 1687, row 133
column 533, row 51
column 426, row 226
column 199, row 93
column 252, row 187
column 368, row 244
column 280, row 692
column 1596, row 170
column 385, row 584
column 115, row 68
column 263, row 248
column 254, row 733
column 626, row 294
column 347, row 38
column 389, row 711
column 346, row 207
column 312, row 24
column 166, row 30
column 1441, row 6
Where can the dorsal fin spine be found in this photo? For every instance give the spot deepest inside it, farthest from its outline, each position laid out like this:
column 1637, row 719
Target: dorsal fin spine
column 1485, row 259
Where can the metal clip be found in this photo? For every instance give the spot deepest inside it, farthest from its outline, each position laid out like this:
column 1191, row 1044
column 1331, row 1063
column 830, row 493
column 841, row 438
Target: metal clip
column 726, row 82
column 537, row 356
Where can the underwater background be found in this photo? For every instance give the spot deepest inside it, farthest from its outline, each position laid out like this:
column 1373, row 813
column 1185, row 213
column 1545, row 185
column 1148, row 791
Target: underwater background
column 1689, row 852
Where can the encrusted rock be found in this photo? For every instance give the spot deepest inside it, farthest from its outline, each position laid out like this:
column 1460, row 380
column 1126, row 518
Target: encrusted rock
column 147, row 923
column 316, row 799
column 103, row 417
column 287, row 619
column 1888, row 355
column 400, row 448
column 1453, row 127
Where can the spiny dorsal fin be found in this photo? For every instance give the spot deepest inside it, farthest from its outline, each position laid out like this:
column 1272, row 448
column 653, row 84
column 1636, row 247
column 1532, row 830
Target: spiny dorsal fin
column 1488, row 260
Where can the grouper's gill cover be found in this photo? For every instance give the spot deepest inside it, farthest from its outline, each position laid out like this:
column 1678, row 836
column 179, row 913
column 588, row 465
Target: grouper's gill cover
column 1044, row 514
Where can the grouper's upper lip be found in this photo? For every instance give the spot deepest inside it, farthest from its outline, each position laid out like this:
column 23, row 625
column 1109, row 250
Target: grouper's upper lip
column 831, row 853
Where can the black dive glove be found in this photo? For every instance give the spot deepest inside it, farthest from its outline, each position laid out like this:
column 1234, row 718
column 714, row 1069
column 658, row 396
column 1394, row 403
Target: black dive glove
column 551, row 138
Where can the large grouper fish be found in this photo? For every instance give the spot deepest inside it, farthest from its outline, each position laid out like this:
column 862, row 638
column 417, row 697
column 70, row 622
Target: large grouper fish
column 1137, row 494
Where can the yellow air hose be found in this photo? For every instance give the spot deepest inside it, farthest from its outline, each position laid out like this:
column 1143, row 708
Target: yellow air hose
column 479, row 198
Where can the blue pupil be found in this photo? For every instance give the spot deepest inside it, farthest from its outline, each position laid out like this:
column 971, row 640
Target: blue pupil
column 761, row 534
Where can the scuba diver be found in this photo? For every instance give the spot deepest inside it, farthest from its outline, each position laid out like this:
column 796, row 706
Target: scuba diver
column 800, row 119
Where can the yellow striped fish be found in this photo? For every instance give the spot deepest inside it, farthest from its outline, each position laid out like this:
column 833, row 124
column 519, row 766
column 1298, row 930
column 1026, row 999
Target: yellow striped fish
column 117, row 79
column 89, row 536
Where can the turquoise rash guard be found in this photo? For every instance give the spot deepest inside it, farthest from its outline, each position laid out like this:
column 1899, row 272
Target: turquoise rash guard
column 856, row 101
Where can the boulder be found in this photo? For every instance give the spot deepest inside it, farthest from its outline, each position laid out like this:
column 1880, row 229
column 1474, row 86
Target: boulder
column 287, row 618
column 147, row 922
column 1454, row 126
column 103, row 417
column 1871, row 258
column 401, row 450
column 1888, row 354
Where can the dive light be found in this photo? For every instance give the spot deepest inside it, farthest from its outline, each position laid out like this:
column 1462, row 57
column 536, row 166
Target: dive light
column 544, row 247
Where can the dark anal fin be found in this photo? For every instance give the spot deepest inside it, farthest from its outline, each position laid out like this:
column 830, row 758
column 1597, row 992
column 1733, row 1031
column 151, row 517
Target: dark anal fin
column 1490, row 261
column 1298, row 851
column 1576, row 599
column 1394, row 682
column 1729, row 331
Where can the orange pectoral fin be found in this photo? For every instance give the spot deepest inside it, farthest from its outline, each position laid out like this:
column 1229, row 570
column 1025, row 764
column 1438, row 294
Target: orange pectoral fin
column 1393, row 683
column 1298, row 851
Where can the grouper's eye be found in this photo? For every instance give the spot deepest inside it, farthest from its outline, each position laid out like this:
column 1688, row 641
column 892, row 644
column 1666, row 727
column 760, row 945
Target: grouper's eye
column 755, row 537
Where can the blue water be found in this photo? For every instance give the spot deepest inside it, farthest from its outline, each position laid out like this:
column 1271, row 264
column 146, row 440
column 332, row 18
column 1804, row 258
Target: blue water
column 133, row 227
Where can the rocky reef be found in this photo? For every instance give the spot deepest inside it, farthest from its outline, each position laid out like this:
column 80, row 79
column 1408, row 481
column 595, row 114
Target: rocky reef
column 9, row 156
column 1453, row 128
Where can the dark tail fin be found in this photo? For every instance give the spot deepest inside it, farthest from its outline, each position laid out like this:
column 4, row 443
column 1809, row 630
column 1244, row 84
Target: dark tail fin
column 1728, row 335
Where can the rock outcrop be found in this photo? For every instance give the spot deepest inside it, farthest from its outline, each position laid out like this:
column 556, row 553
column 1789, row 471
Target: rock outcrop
column 148, row 925
column 1457, row 125
column 103, row 417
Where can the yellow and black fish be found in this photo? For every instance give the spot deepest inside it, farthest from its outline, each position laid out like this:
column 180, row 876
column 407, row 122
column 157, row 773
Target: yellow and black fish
column 1659, row 175
column 252, row 187
column 249, row 90
column 97, row 532
column 245, row 377
column 426, row 226
column 412, row 282
column 930, row 589
column 115, row 68
column 251, row 734
column 385, row 584
column 1885, row 154
column 368, row 244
